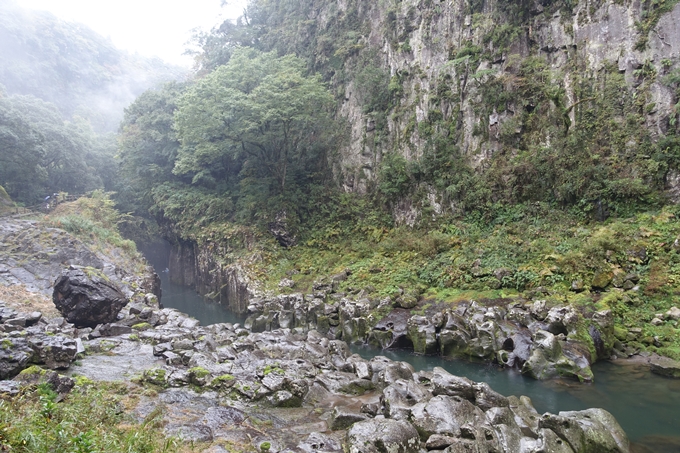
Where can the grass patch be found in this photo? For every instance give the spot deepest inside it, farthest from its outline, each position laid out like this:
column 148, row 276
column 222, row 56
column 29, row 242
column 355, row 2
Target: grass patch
column 21, row 299
column 95, row 220
column 630, row 265
column 90, row 419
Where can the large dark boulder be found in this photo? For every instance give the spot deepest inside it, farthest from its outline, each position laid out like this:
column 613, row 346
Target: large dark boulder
column 86, row 298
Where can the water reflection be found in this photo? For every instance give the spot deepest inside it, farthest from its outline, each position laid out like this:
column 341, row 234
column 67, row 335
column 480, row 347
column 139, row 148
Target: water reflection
column 183, row 298
column 190, row 302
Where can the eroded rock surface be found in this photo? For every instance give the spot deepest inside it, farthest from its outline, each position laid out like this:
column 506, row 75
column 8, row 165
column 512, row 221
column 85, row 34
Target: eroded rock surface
column 223, row 383
column 34, row 255
column 543, row 342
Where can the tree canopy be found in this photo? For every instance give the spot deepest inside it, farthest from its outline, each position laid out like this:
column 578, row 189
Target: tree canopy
column 244, row 140
column 41, row 153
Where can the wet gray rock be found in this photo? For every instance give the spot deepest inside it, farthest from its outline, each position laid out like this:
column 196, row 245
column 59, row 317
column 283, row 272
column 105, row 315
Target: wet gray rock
column 665, row 366
column 193, row 433
column 445, row 383
column 445, row 415
column 399, row 397
column 60, row 384
column 673, row 314
column 548, row 360
column 342, row 418
column 319, row 443
column 423, row 335
column 114, row 329
column 387, row 373
column 588, row 431
column 55, row 352
column 439, row 442
column 380, row 436
column 21, row 349
column 486, row 397
column 285, row 398
column 15, row 355
column 86, row 299
column 216, row 417
column 9, row 388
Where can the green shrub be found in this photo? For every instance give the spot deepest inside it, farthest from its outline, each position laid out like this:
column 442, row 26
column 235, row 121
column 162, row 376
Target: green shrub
column 88, row 420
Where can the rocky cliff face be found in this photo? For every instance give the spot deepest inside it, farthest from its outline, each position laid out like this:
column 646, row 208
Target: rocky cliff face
column 428, row 35
column 418, row 73
column 201, row 267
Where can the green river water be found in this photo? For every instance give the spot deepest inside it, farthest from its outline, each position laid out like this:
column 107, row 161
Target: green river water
column 646, row 405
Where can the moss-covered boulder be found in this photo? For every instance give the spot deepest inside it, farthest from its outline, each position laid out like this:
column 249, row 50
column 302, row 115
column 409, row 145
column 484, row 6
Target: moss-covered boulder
column 602, row 279
column 423, row 335
column 549, row 361
column 374, row 436
column 588, row 431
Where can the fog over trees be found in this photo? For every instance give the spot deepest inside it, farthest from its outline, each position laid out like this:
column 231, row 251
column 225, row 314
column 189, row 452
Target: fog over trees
column 63, row 90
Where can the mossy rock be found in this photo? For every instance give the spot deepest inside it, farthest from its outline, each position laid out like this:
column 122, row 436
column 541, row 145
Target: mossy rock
column 199, row 376
column 156, row 376
column 224, row 381
column 620, row 333
column 602, row 279
column 33, row 370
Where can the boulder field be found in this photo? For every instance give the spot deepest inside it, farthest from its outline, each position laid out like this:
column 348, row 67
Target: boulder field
column 287, row 381
column 543, row 342
column 300, row 391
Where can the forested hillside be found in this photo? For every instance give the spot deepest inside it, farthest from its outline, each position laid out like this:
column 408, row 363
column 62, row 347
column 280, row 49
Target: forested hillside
column 428, row 151
column 557, row 101
column 464, row 106
column 63, row 89
column 73, row 67
column 41, row 153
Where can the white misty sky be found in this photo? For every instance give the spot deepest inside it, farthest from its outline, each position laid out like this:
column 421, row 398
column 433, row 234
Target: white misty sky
column 149, row 27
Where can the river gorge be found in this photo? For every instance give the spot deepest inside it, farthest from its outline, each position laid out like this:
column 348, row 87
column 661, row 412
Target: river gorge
column 645, row 404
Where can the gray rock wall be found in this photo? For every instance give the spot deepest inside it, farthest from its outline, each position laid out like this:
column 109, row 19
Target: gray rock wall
column 416, row 43
column 201, row 268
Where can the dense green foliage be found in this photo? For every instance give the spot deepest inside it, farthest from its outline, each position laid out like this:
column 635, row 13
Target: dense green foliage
column 88, row 420
column 148, row 146
column 62, row 93
column 246, row 141
column 526, row 252
column 41, row 153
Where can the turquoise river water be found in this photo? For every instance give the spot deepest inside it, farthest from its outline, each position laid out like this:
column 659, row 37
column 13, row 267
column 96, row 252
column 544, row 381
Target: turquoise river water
column 646, row 405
